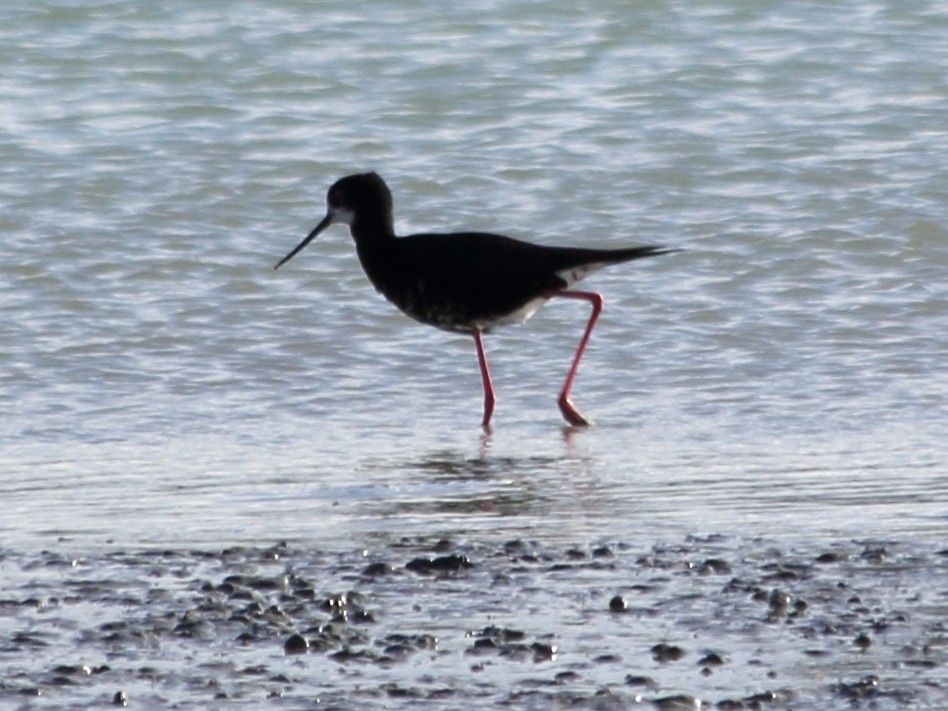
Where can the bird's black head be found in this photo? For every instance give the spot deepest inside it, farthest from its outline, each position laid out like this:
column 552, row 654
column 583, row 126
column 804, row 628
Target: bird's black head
column 362, row 199
column 359, row 197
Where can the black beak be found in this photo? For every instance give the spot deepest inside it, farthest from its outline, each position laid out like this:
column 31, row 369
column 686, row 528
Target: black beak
column 324, row 223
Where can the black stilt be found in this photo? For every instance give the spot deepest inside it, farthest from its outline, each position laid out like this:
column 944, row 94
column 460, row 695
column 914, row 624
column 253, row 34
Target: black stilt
column 467, row 282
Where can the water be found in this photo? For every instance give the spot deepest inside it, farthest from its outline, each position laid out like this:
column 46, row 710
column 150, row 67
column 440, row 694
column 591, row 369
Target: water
column 784, row 377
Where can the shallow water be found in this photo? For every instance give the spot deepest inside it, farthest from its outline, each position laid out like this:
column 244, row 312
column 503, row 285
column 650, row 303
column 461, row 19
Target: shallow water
column 782, row 378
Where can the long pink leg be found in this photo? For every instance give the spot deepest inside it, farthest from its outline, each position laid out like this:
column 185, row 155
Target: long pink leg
column 489, row 397
column 570, row 413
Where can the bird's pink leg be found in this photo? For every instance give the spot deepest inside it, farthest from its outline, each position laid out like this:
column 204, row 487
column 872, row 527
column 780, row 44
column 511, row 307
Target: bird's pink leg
column 570, row 413
column 489, row 397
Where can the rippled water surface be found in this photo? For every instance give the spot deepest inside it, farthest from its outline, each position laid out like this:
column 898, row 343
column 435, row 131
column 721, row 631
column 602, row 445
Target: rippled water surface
column 781, row 379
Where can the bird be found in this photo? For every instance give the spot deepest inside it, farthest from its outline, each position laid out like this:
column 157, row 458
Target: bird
column 466, row 282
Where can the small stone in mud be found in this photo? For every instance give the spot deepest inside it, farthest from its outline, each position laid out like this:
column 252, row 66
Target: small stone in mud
column 543, row 652
column 864, row 688
column 348, row 655
column 442, row 564
column 296, row 644
column 72, row 670
column 120, row 699
column 667, row 652
column 410, row 642
column 336, row 603
column 375, row 569
column 503, row 634
column 190, row 626
column 362, row 617
column 778, row 602
column 618, row 604
column 782, row 574
column 679, row 702
column 714, row 566
column 756, row 701
column 485, row 643
column 515, row 651
column 607, row 659
column 639, row 680
column 711, row 659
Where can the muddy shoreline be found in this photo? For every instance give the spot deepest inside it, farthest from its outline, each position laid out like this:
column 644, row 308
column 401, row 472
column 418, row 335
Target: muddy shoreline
column 712, row 622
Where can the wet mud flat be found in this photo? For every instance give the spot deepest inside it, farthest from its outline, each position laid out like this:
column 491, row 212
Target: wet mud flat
column 712, row 622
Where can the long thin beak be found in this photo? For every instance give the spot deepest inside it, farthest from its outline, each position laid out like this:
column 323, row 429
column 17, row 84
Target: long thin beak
column 324, row 223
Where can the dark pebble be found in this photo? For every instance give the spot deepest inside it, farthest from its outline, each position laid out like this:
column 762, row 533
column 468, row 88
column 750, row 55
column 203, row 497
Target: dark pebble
column 783, row 575
column 543, row 652
column 639, row 680
column 667, row 652
column 607, row 659
column 418, row 641
column 865, row 688
column 756, row 701
column 502, row 634
column 396, row 652
column 296, row 644
column 679, row 702
column 72, row 669
column 347, row 655
column 778, row 602
column 515, row 547
column 335, row 603
column 375, row 569
column 515, row 651
column 873, row 554
column 711, row 659
column 715, row 566
column 362, row 617
column 442, row 564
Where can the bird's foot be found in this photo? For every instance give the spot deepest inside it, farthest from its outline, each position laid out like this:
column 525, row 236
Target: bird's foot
column 573, row 416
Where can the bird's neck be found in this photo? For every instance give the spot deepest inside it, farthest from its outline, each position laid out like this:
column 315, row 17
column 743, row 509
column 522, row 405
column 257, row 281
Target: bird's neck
column 372, row 229
column 375, row 243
